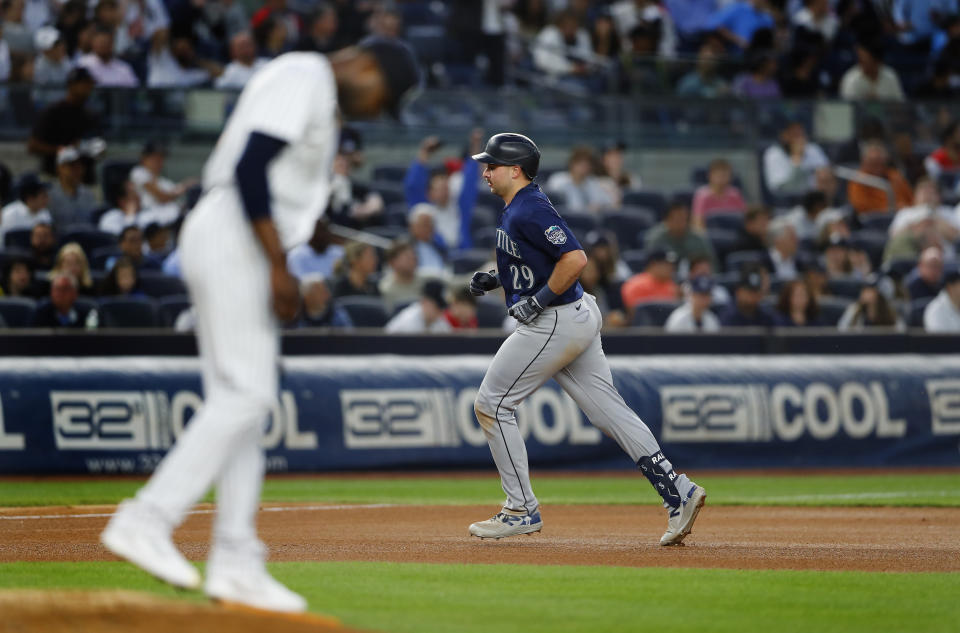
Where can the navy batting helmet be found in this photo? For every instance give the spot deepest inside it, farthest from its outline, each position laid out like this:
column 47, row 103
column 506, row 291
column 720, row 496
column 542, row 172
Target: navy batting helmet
column 511, row 149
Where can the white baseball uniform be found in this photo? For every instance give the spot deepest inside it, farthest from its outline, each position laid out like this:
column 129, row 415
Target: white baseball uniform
column 293, row 98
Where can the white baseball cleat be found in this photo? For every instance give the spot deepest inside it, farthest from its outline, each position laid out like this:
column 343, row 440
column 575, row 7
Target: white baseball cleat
column 252, row 587
column 144, row 540
column 680, row 522
column 507, row 524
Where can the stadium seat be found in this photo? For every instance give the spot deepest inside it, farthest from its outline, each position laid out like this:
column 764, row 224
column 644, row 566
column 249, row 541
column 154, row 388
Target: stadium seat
column 683, row 195
column 170, row 308
column 400, row 306
column 580, row 223
column 876, row 221
column 723, row 241
column 100, row 256
column 917, row 307
column 629, row 227
column 395, row 214
column 848, row 287
column 485, row 238
column 389, row 231
column 490, row 314
column 737, row 259
column 872, row 242
column 17, row 311
column 899, row 268
column 89, row 239
column 160, row 285
column 7, row 255
column 390, row 173
column 488, row 199
column 16, row 238
column 469, row 261
column 112, row 176
column 831, row 309
column 653, row 313
column 649, row 199
column 391, row 192
column 364, row 311
column 724, row 221
column 127, row 312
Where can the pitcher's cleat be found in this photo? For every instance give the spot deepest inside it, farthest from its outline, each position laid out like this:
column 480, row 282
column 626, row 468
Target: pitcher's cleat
column 253, row 588
column 506, row 523
column 680, row 522
column 144, row 540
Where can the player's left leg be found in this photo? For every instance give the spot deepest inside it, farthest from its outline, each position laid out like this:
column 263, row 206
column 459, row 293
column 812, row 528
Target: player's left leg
column 589, row 382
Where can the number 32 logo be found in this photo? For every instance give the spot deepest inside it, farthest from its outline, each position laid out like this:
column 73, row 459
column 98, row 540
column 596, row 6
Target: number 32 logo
column 523, row 271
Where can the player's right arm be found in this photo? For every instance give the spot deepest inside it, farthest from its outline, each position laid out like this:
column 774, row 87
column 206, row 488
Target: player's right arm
column 254, row 189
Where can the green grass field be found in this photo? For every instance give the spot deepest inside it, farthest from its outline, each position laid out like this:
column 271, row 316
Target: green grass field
column 423, row 598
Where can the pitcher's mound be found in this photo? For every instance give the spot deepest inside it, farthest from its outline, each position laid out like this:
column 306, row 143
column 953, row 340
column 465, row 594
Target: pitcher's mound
column 125, row 611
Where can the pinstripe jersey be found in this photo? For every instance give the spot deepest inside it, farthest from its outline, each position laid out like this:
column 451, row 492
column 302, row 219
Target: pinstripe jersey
column 292, row 98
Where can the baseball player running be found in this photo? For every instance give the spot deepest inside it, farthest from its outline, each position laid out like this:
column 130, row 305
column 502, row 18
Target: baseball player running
column 558, row 336
column 265, row 184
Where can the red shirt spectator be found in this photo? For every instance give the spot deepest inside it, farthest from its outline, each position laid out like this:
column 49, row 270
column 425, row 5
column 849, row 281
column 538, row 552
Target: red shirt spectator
column 717, row 195
column 946, row 158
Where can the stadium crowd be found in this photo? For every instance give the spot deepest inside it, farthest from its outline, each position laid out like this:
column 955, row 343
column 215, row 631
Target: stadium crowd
column 854, row 235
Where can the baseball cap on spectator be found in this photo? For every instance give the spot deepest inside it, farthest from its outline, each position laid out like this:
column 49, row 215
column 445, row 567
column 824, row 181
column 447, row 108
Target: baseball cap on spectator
column 30, row 185
column 751, row 278
column 701, row 284
column 435, row 290
column 350, row 140
column 68, row 154
column 152, row 147
column 660, row 254
column 837, row 240
column 951, row 274
column 45, row 38
column 79, row 74
column 611, row 145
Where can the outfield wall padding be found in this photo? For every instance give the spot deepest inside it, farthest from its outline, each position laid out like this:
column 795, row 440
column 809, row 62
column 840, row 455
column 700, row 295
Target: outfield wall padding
column 120, row 415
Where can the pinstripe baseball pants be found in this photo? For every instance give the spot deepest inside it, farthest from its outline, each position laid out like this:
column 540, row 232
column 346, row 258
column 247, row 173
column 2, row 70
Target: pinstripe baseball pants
column 228, row 279
column 562, row 343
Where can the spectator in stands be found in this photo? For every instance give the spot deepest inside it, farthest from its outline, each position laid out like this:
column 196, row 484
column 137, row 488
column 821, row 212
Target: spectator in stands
column 872, row 309
column 106, row 68
column 611, row 271
column 159, row 196
column 18, row 279
column 243, row 62
column 6, row 65
column 562, row 50
column 271, row 36
column 703, row 266
column 926, row 279
column 461, row 314
column 695, row 315
column 43, row 245
column 614, row 174
column 927, row 203
column 480, row 28
column 321, row 33
column 904, row 158
column 746, row 309
column 629, row 14
column 784, row 245
column 916, row 21
column 452, row 213
column 705, row 81
column 914, row 239
column 817, row 16
column 29, row 209
column 604, row 37
column 71, row 202
column 122, row 280
column 690, row 20
column 402, row 282
column 831, row 222
column 938, row 85
column 131, row 245
column 804, row 216
column 591, row 282
column 319, row 255
column 426, row 241
column 640, row 71
column 946, row 158
column 17, row 35
column 943, row 313
column 318, row 309
column 799, row 74
column 72, row 260
column 355, row 271
column 718, row 195
column 64, row 123
column 36, row 13
column 582, row 191
column 759, row 81
column 61, row 310
column 870, row 79
column 789, row 166
column 125, row 212
column 51, row 66
column 156, row 245
column 874, row 198
column 797, row 306
column 815, row 277
column 655, row 283
column 841, row 259
column 352, row 204
column 425, row 315
column 675, row 234
column 226, row 16
column 754, row 233
column 737, row 22
column 173, row 63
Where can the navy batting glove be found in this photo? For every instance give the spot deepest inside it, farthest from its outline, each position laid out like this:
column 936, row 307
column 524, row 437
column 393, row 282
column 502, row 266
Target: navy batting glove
column 483, row 282
column 526, row 310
